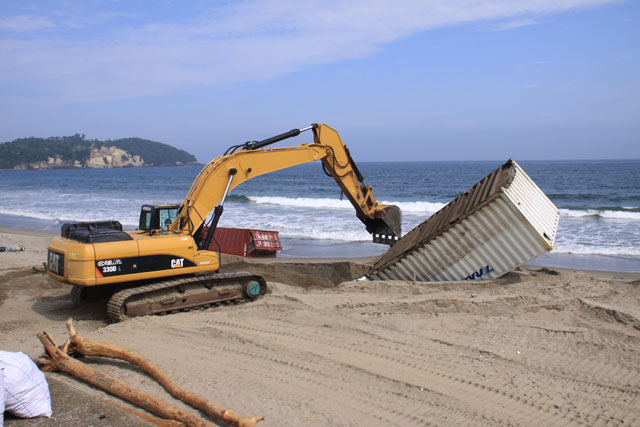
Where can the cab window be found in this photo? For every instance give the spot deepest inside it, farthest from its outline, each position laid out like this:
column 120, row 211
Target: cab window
column 167, row 216
column 145, row 220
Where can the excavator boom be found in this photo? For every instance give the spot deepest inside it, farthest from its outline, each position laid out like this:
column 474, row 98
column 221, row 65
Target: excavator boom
column 249, row 160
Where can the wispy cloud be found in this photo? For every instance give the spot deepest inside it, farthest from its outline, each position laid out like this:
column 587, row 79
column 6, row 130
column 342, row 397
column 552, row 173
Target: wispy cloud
column 510, row 25
column 75, row 53
column 26, row 23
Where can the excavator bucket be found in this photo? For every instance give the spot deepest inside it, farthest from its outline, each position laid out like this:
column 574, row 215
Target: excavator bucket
column 386, row 227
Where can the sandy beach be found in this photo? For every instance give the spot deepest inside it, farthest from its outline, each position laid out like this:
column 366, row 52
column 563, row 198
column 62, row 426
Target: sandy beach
column 539, row 346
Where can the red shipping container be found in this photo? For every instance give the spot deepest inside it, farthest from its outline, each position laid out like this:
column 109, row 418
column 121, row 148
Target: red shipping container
column 246, row 242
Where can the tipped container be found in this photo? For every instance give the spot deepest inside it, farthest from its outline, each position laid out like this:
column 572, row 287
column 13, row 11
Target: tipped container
column 246, row 242
column 500, row 223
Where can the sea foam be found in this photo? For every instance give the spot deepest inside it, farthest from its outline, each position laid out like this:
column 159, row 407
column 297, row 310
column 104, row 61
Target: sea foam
column 326, row 203
column 596, row 213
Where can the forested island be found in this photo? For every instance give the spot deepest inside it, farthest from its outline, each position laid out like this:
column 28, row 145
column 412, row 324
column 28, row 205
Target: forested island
column 77, row 152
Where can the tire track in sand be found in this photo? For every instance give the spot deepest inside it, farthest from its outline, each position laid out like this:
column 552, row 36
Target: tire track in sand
column 515, row 407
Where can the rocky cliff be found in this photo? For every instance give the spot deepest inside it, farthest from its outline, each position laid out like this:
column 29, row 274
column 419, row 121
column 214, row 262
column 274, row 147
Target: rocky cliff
column 76, row 152
column 112, row 157
column 103, row 157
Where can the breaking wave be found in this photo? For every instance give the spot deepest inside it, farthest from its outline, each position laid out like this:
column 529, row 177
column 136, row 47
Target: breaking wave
column 326, row 203
column 581, row 249
column 621, row 213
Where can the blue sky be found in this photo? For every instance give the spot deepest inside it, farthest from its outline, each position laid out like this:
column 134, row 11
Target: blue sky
column 399, row 80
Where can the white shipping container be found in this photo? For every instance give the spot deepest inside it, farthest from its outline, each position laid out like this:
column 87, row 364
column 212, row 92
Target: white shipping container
column 497, row 225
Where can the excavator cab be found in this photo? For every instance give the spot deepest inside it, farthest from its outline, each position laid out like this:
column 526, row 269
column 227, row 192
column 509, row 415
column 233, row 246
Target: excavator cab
column 157, row 217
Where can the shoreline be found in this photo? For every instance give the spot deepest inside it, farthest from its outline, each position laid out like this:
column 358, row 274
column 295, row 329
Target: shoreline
column 102, row 167
column 37, row 241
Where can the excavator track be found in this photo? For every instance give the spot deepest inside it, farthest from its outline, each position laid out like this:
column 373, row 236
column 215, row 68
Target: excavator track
column 185, row 294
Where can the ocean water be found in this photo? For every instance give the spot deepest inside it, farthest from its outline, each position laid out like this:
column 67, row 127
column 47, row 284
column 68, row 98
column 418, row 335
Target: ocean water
column 599, row 203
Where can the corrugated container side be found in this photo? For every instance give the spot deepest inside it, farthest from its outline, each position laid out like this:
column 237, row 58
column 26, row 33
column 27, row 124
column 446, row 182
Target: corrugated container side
column 234, row 241
column 509, row 243
column 501, row 222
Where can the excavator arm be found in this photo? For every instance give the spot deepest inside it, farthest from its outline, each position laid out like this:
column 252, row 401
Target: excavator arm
column 249, row 160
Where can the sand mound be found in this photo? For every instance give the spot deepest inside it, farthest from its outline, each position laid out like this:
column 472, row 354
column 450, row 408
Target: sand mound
column 544, row 347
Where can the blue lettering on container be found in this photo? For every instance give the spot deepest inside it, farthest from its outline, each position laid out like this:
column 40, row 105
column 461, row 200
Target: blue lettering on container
column 481, row 272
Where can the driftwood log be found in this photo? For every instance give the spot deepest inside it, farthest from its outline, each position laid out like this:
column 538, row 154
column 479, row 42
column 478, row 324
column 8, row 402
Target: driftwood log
column 86, row 347
column 160, row 422
column 56, row 360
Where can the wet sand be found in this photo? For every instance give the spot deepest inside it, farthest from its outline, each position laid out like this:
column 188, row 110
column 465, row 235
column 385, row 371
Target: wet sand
column 538, row 346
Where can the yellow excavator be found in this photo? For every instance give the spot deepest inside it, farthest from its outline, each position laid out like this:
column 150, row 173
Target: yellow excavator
column 166, row 265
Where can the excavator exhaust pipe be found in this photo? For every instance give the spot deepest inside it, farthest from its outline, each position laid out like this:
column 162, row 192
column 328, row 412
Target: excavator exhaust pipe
column 386, row 227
